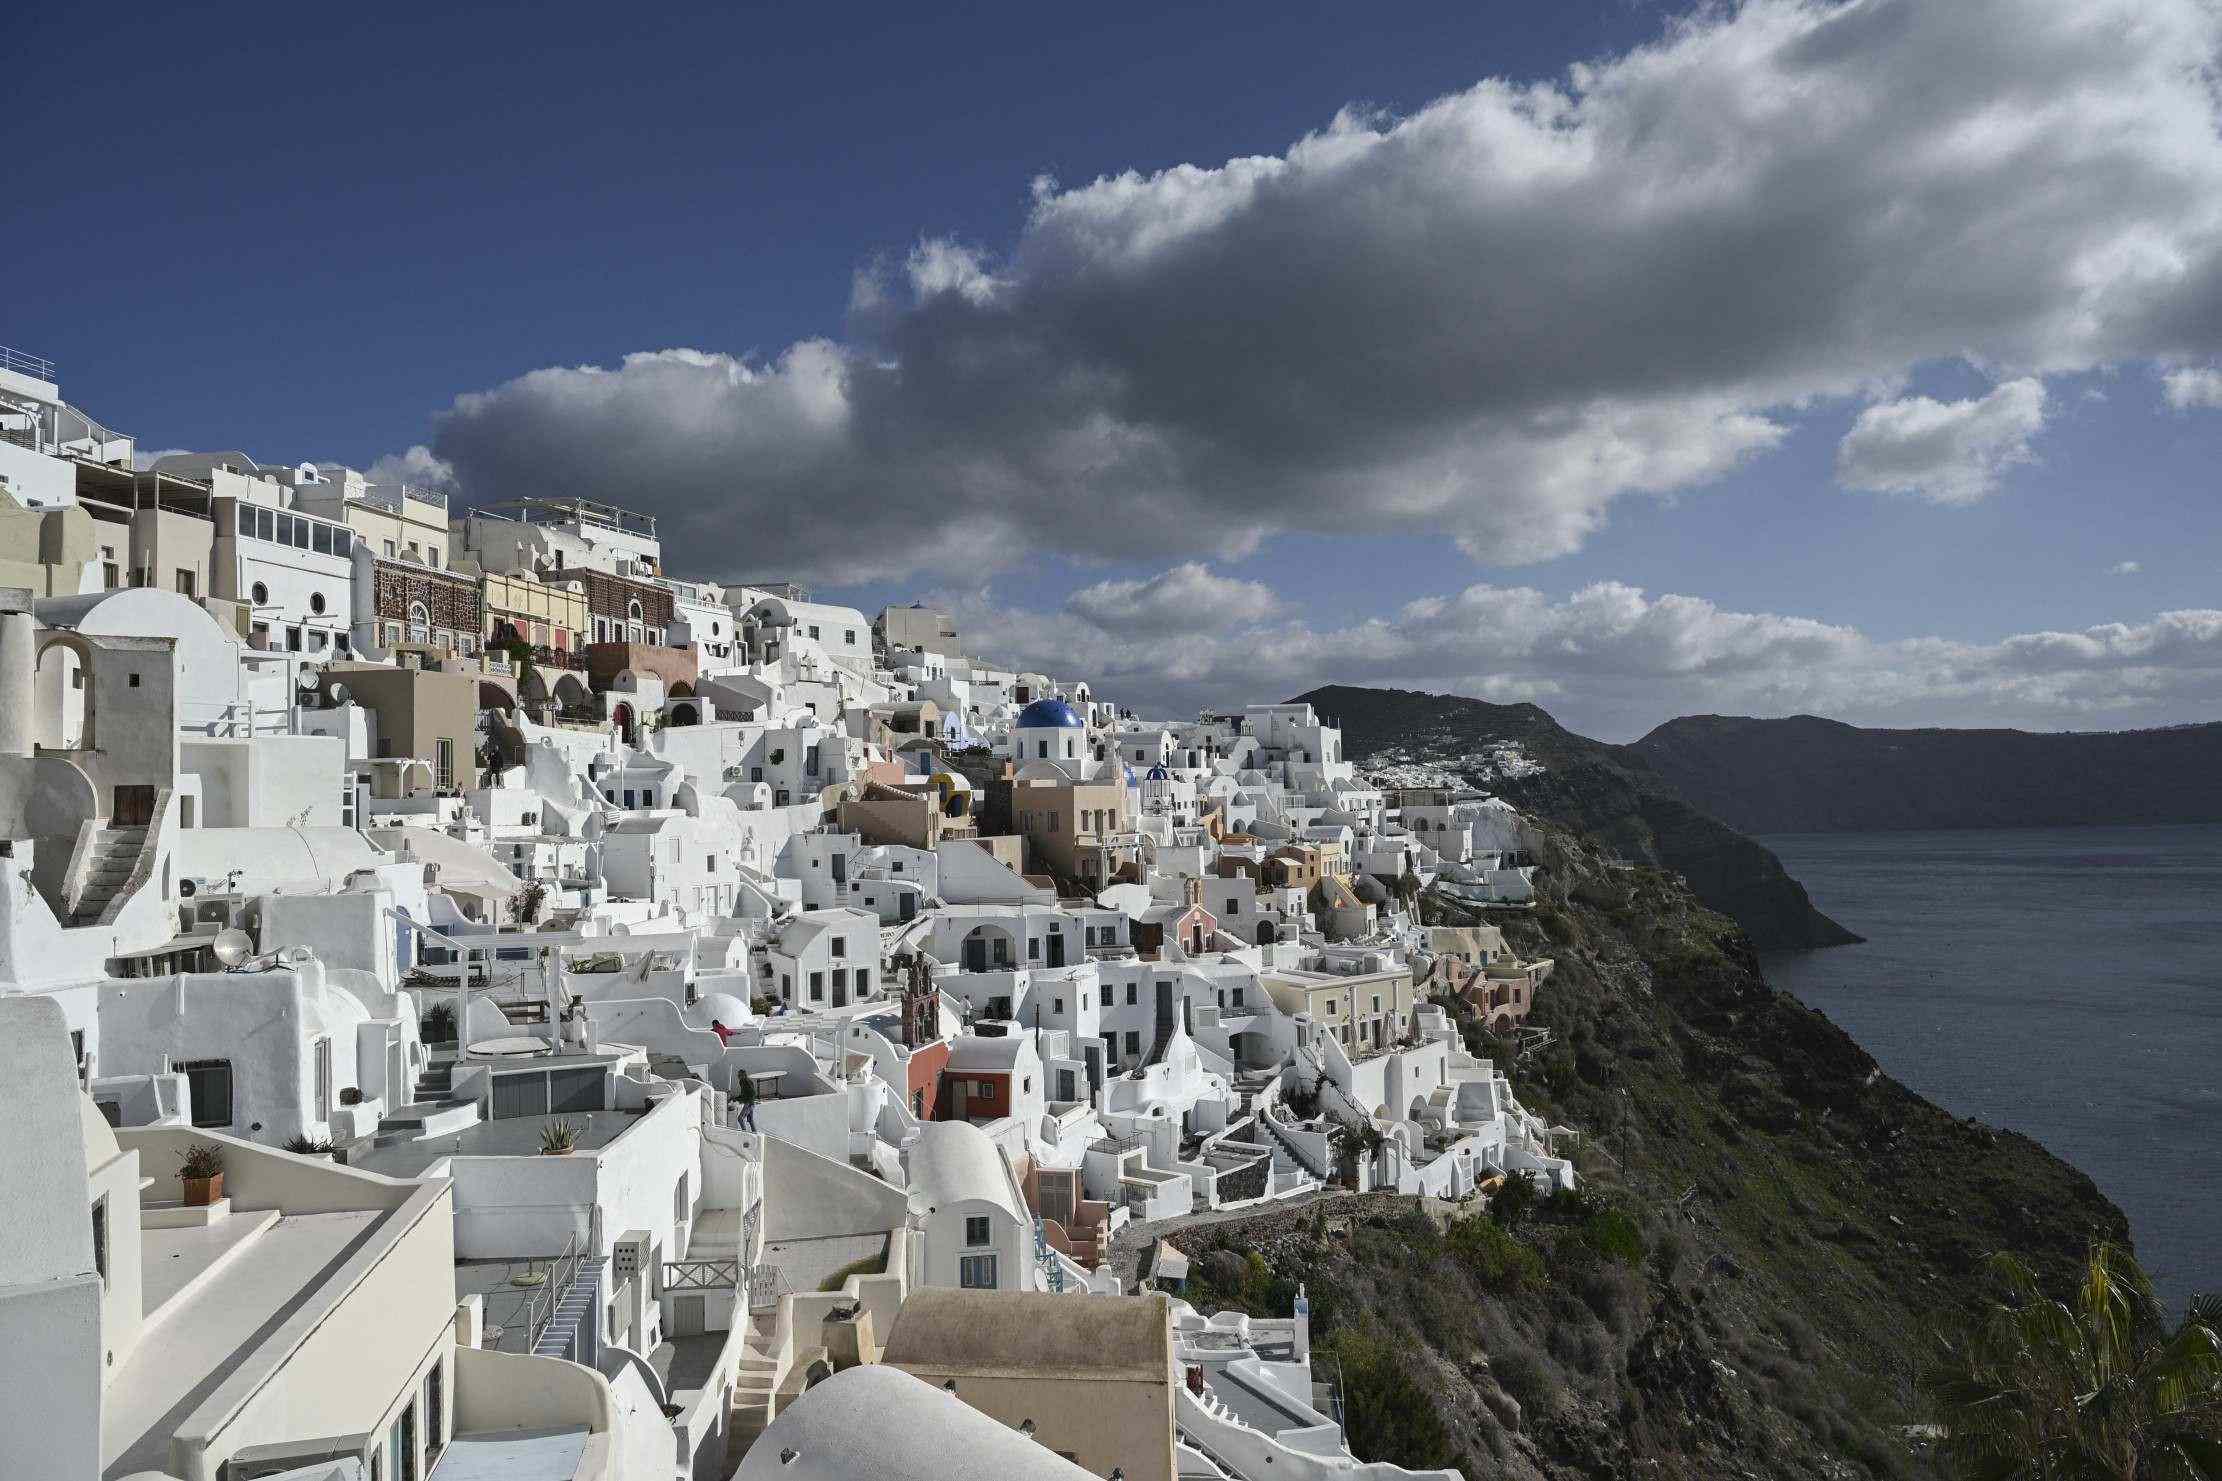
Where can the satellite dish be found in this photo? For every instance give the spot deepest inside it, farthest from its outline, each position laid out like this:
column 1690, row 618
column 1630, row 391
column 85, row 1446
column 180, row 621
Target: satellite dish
column 308, row 675
column 233, row 946
column 338, row 693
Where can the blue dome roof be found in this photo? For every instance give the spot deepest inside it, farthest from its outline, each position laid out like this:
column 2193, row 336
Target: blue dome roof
column 1050, row 714
column 1159, row 774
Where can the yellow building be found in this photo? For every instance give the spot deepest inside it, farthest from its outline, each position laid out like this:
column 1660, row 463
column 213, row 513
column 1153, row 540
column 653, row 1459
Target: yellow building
column 1362, row 1011
column 522, row 606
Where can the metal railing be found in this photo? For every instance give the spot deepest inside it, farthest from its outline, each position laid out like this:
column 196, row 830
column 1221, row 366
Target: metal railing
column 531, row 1308
column 33, row 365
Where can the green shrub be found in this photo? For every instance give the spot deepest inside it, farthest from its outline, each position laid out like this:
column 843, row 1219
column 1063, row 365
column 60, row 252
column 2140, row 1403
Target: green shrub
column 1496, row 1259
column 1387, row 1415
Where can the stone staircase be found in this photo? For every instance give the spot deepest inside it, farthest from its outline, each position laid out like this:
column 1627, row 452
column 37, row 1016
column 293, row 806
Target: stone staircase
column 113, row 855
column 754, row 1383
column 433, row 1108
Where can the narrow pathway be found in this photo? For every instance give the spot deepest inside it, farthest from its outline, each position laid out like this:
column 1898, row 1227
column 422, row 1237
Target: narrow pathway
column 1127, row 1246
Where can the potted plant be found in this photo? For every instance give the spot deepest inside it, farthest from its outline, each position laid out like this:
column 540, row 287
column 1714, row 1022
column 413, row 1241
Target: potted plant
column 201, row 1171
column 557, row 1138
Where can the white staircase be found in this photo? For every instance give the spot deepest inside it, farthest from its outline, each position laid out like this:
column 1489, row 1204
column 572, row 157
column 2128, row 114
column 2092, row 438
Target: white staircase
column 109, row 862
column 754, row 1383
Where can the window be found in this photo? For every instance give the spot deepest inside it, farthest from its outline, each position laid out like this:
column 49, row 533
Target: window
column 817, row 987
column 1130, row 995
column 432, row 555
column 852, row 637
column 184, row 583
column 320, row 539
column 260, row 594
column 401, row 1440
column 443, row 770
column 387, row 547
column 1033, row 948
column 435, row 1411
column 1133, row 1042
column 813, row 632
column 208, row 1086
column 863, row 980
column 100, row 1239
column 1057, row 1006
column 978, row 1231
column 976, row 1273
column 1106, row 1000
column 840, row 946
column 316, row 602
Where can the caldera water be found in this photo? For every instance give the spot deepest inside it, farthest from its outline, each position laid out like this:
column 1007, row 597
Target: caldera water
column 2062, row 982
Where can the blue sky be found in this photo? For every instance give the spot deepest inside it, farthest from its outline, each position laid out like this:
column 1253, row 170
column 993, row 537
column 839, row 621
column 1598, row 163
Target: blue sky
column 1428, row 398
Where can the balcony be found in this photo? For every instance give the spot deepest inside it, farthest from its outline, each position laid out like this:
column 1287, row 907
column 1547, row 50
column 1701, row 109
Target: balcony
column 35, row 366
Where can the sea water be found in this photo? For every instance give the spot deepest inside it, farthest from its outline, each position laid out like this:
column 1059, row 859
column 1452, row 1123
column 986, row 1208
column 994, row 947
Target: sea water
column 2063, row 982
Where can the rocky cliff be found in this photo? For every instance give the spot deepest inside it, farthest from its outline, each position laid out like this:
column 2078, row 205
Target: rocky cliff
column 1520, row 753
column 1808, row 775
column 1769, row 1233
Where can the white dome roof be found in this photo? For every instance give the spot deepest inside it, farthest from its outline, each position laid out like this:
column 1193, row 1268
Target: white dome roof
column 724, row 1008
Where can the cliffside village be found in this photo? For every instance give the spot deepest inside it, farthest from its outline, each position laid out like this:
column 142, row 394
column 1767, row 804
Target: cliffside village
column 474, row 1005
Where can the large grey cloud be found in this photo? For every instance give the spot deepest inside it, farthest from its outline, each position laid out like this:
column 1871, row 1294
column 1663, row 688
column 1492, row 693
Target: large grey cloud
column 1491, row 318
column 1613, row 660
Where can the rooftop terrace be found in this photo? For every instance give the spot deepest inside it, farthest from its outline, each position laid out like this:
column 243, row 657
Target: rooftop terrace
column 512, row 1136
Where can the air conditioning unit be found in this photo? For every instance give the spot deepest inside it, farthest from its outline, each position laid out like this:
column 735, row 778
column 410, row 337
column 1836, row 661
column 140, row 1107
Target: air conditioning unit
column 629, row 1255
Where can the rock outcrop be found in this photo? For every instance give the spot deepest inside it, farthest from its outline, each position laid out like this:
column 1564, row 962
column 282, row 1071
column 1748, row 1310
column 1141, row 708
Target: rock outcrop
column 1605, row 791
column 1808, row 775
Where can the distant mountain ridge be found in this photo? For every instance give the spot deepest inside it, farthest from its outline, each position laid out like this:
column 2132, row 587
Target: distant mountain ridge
column 1809, row 775
column 1523, row 755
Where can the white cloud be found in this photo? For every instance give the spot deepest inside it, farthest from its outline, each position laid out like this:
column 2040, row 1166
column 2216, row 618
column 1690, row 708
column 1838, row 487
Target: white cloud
column 1613, row 660
column 418, row 467
column 1949, row 452
column 1187, row 598
column 2125, row 568
column 2194, row 386
column 1488, row 320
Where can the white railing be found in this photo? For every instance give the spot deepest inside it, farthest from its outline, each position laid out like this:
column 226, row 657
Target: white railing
column 31, row 365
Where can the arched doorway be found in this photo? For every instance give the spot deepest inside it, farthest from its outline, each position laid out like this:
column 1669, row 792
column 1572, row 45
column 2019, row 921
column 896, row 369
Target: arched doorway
column 989, row 948
column 63, row 684
column 684, row 714
column 621, row 716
